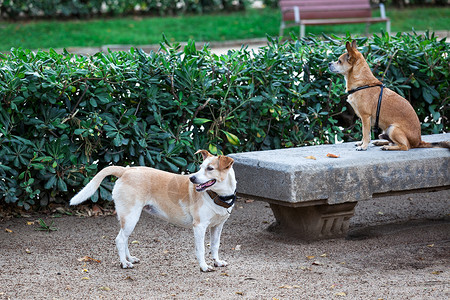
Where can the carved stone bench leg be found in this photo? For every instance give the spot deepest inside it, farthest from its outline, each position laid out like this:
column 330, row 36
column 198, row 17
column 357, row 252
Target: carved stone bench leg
column 313, row 222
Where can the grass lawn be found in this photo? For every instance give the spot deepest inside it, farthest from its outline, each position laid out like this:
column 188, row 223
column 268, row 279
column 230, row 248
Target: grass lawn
column 212, row 27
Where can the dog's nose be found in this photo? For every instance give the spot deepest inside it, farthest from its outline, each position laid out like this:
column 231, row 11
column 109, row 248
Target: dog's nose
column 192, row 179
column 329, row 64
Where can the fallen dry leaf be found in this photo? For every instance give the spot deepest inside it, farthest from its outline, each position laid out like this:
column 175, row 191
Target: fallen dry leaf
column 87, row 258
column 27, row 251
column 30, row 223
column 333, row 155
column 310, row 257
column 436, row 272
column 8, row 230
column 341, row 294
column 85, row 278
column 135, row 242
column 311, row 157
column 240, row 293
column 430, row 245
column 96, row 210
column 104, row 288
column 317, row 263
column 249, row 200
column 323, row 255
column 129, row 278
column 286, row 286
column 224, row 274
column 333, row 286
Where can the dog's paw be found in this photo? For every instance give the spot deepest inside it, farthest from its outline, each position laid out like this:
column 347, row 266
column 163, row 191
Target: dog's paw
column 206, row 268
column 361, row 148
column 220, row 263
column 133, row 259
column 385, row 148
column 357, row 144
column 127, row 265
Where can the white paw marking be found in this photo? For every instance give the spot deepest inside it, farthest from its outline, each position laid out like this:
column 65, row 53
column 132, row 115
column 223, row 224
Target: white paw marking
column 220, row 263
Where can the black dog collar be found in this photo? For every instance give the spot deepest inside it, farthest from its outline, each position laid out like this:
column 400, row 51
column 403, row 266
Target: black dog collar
column 376, row 129
column 222, row 200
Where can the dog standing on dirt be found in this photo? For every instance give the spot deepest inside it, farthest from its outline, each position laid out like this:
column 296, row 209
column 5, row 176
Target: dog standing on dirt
column 376, row 105
column 200, row 201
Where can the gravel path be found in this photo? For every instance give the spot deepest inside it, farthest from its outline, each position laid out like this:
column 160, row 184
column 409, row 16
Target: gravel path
column 409, row 260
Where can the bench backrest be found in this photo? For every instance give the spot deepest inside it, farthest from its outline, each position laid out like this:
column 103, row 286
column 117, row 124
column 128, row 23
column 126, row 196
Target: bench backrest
column 325, row 9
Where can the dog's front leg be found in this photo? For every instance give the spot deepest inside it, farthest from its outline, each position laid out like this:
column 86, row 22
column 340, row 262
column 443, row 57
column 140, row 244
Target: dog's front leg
column 199, row 236
column 215, row 244
column 366, row 133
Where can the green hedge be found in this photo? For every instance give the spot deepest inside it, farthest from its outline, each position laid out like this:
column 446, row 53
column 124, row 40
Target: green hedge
column 13, row 9
column 64, row 117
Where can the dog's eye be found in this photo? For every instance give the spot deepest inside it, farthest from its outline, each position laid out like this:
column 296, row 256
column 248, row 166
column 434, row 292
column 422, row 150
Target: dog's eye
column 339, row 62
column 209, row 168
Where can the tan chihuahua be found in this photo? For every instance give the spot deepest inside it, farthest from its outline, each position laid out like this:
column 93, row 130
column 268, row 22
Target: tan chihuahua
column 378, row 106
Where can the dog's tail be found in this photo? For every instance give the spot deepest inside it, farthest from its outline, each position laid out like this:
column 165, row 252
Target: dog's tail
column 444, row 144
column 93, row 185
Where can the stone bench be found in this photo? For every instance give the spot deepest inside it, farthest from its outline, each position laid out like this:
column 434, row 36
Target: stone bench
column 316, row 198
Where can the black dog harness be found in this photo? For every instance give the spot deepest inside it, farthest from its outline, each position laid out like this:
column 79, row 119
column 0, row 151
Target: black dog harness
column 376, row 129
column 222, row 200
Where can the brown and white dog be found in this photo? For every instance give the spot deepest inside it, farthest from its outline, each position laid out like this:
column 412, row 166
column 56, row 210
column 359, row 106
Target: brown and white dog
column 397, row 118
column 182, row 200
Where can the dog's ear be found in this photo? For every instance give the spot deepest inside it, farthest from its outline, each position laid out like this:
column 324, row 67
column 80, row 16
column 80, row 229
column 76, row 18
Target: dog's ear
column 225, row 162
column 348, row 46
column 351, row 49
column 205, row 154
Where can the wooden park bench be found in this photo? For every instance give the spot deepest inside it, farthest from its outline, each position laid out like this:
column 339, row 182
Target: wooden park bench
column 327, row 12
column 315, row 198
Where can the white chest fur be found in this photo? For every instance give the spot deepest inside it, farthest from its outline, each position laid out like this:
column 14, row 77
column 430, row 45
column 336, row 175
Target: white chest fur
column 351, row 99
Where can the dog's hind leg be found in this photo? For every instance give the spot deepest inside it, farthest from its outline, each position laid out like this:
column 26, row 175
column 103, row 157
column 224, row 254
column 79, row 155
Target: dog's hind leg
column 398, row 138
column 127, row 224
column 383, row 136
column 380, row 143
column 215, row 244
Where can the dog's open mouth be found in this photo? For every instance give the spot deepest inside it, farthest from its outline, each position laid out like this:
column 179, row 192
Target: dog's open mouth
column 204, row 186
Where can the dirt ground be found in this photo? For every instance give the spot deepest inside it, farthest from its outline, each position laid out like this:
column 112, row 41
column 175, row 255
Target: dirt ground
column 408, row 260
